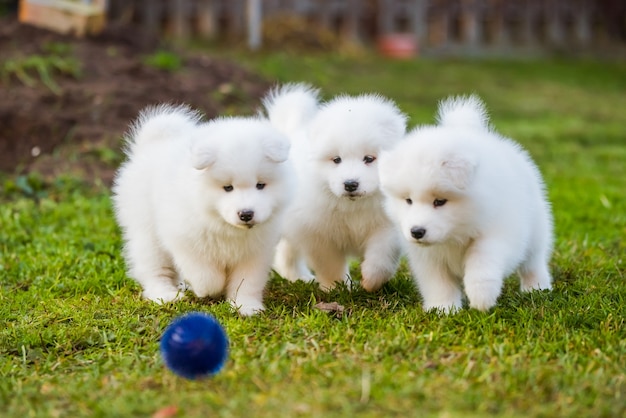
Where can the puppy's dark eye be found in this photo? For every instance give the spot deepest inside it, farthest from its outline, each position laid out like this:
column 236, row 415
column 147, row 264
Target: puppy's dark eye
column 336, row 160
column 260, row 186
column 439, row 202
column 409, row 201
column 228, row 188
column 368, row 159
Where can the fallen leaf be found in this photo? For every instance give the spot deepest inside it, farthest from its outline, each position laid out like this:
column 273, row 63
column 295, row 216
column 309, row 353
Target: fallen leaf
column 330, row 307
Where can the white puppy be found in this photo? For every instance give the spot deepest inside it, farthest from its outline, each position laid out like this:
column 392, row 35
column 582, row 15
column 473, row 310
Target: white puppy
column 337, row 212
column 202, row 203
column 472, row 205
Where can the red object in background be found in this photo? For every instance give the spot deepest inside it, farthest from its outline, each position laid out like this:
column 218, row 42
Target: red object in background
column 398, row 45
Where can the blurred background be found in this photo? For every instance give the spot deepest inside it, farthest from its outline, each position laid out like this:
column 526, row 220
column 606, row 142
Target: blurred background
column 74, row 73
column 438, row 26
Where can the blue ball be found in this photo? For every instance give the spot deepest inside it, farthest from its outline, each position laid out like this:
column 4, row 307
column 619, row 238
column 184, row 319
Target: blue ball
column 194, row 346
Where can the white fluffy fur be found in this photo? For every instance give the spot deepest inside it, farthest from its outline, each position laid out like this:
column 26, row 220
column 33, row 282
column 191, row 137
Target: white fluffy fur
column 291, row 106
column 328, row 221
column 495, row 220
column 179, row 222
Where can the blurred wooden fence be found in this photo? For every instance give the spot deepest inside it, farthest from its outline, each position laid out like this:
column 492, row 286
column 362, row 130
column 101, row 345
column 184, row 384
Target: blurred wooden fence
column 470, row 25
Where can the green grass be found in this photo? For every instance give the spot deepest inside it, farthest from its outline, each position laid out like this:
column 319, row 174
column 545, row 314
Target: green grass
column 56, row 60
column 76, row 340
column 164, row 60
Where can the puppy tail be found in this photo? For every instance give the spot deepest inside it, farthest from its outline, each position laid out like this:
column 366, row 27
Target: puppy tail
column 291, row 106
column 156, row 123
column 463, row 111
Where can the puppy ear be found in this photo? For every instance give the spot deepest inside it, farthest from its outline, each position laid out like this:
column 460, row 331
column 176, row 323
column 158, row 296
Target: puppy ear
column 276, row 148
column 459, row 170
column 386, row 167
column 202, row 156
column 203, row 149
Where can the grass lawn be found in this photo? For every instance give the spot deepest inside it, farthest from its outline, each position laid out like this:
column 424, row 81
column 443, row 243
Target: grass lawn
column 76, row 339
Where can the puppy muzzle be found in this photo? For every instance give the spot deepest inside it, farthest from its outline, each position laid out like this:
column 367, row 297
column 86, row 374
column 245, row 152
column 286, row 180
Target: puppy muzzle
column 246, row 216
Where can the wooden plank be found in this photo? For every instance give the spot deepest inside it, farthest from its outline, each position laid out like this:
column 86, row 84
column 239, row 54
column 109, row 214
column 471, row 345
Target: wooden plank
column 556, row 32
column 439, row 28
column 497, row 30
column 180, row 19
column 583, row 23
column 68, row 17
column 352, row 13
column 207, row 19
column 255, row 16
column 419, row 21
column 385, row 17
column 151, row 12
column 470, row 29
column 528, row 16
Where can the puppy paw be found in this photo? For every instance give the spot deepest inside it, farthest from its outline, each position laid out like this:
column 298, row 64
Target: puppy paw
column 373, row 280
column 443, row 308
column 163, row 294
column 328, row 285
column 482, row 295
column 307, row 277
column 372, row 284
column 532, row 282
column 248, row 307
column 375, row 273
column 293, row 275
column 535, row 286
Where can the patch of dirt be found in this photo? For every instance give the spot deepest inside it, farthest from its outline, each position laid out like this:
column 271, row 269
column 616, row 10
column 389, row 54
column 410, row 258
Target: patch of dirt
column 74, row 129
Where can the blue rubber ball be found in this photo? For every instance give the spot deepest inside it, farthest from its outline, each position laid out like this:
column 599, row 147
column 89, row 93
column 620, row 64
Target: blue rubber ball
column 194, row 345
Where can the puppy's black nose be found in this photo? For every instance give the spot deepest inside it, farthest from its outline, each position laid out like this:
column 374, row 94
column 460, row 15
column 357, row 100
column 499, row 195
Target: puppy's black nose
column 246, row 215
column 417, row 232
column 350, row 185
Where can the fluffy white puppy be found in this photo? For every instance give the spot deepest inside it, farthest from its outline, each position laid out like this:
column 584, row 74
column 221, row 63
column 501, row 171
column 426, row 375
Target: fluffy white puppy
column 202, row 203
column 472, row 205
column 337, row 212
